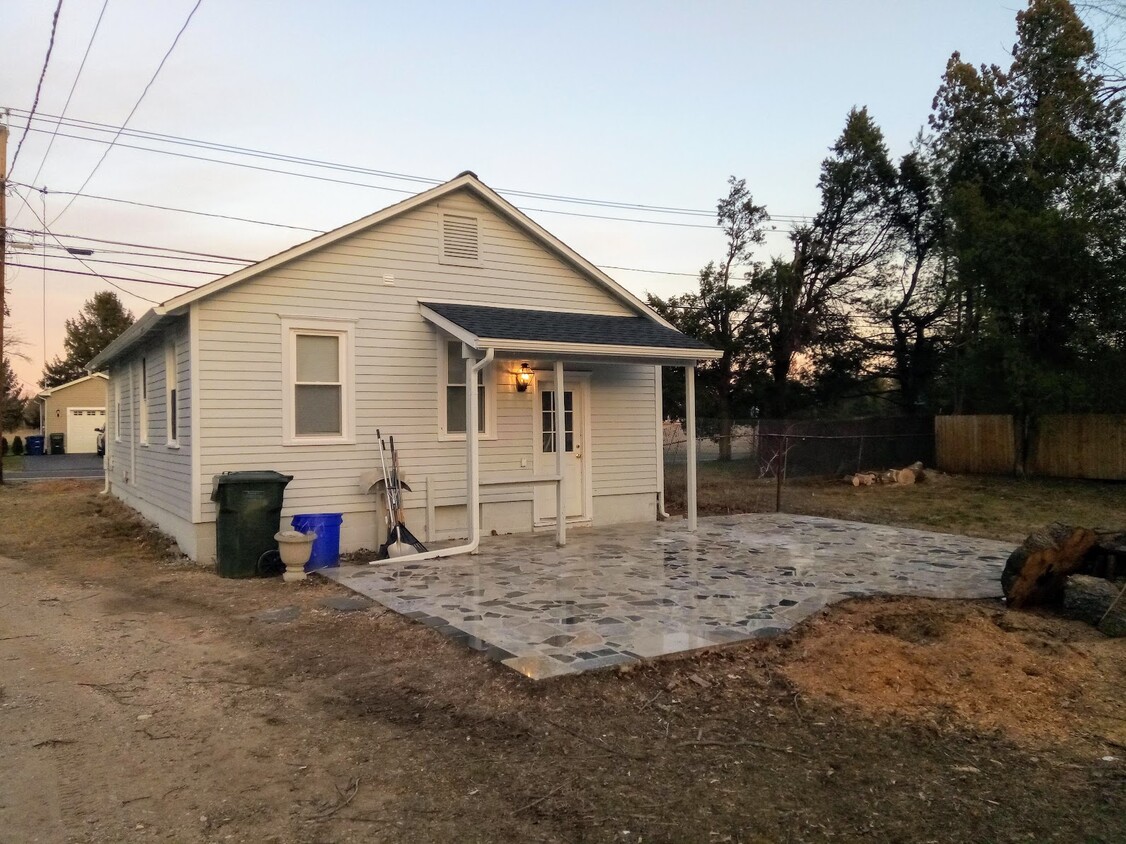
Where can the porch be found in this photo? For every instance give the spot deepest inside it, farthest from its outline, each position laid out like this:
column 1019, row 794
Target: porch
column 619, row 595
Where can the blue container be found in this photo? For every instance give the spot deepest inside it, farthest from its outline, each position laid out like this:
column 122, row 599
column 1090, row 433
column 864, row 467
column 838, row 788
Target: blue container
column 326, row 547
column 34, row 445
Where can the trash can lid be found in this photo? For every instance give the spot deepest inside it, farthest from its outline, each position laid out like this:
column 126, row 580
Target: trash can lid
column 251, row 477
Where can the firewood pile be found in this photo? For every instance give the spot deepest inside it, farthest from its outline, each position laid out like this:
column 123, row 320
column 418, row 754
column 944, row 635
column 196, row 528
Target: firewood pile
column 1076, row 569
column 901, row 477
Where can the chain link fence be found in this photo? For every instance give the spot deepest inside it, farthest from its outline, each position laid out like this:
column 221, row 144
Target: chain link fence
column 764, row 453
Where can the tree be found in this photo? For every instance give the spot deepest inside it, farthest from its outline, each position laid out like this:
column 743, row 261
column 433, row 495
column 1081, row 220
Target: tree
column 1032, row 187
column 724, row 313
column 101, row 320
column 908, row 302
column 12, row 399
column 809, row 298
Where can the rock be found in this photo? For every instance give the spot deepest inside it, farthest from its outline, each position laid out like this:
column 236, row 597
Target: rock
column 347, row 603
column 279, row 614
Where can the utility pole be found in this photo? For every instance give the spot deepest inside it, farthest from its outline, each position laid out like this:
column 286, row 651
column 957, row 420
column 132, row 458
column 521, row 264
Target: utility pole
column 3, row 253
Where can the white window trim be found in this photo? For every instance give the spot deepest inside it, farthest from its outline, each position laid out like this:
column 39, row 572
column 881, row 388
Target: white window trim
column 450, row 261
column 345, row 329
column 171, row 382
column 489, row 378
column 143, row 404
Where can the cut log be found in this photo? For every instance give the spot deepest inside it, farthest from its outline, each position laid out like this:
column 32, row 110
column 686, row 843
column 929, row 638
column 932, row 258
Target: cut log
column 863, row 479
column 1036, row 572
column 1098, row 602
column 905, row 477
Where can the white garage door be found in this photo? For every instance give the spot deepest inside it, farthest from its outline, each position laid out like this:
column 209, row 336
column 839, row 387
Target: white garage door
column 81, row 438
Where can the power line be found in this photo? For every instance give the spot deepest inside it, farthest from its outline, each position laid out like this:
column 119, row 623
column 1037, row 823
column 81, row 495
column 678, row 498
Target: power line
column 292, row 159
column 38, row 87
column 126, row 243
column 132, row 111
column 157, row 255
column 73, row 86
column 72, row 257
column 105, row 278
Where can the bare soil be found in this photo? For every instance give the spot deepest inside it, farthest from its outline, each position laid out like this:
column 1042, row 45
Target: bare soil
column 145, row 699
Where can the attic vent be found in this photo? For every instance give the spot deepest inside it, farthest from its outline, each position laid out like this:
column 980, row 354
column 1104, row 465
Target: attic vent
column 461, row 240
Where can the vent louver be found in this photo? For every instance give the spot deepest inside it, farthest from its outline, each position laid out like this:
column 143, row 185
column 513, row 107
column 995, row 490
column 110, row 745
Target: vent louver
column 461, row 240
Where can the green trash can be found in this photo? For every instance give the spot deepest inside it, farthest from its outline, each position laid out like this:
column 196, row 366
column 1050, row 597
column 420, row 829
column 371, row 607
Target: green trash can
column 249, row 514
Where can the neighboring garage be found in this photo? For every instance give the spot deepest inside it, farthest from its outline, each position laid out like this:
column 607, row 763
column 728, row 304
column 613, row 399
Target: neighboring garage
column 76, row 410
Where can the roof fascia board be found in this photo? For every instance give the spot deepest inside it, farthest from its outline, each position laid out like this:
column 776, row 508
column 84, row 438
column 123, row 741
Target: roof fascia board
column 127, row 338
column 522, row 220
column 451, row 328
column 617, row 351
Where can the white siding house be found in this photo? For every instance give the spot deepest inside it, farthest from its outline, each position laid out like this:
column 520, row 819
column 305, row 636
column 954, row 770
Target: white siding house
column 298, row 362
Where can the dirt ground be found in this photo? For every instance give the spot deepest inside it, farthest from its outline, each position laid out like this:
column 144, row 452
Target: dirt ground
column 145, row 699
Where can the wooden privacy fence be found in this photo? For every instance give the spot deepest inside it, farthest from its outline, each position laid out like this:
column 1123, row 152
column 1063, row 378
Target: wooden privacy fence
column 1091, row 446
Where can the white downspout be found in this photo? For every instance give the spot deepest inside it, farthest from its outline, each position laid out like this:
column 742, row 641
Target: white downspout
column 690, row 408
column 472, row 467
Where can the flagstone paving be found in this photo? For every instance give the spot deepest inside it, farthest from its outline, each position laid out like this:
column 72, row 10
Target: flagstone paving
column 617, row 595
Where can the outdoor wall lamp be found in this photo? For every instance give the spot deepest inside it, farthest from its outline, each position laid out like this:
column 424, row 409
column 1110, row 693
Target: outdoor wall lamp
column 523, row 378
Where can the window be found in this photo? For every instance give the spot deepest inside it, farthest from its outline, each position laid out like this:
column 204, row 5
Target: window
column 117, row 407
column 144, row 402
column 547, row 409
column 451, row 374
column 171, row 380
column 319, row 382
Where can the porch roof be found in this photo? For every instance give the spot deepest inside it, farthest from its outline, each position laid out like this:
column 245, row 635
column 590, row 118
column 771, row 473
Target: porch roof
column 529, row 331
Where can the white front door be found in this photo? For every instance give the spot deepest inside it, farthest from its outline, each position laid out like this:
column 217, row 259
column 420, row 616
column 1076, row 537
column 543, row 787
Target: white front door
column 574, row 441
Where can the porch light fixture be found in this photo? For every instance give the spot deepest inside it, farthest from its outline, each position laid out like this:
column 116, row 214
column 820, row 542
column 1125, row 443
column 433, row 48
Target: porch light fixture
column 523, row 378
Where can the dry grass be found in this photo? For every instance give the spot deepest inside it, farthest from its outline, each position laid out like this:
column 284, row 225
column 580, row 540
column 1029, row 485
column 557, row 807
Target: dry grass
column 974, row 505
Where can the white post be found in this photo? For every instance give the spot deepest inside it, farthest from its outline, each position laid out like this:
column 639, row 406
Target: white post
column 560, row 465
column 690, row 411
column 472, row 444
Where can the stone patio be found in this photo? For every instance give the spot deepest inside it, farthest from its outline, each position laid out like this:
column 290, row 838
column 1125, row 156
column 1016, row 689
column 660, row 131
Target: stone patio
column 622, row 594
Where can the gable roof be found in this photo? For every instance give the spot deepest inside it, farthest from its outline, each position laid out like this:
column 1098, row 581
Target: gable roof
column 52, row 390
column 529, row 331
column 465, row 181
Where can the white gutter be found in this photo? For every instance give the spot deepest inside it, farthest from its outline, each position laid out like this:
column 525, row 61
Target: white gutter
column 472, row 467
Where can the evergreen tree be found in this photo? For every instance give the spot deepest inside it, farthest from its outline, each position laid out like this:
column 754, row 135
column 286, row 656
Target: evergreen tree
column 101, row 320
column 1032, row 186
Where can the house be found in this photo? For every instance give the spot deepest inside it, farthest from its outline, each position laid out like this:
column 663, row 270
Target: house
column 451, row 321
column 75, row 410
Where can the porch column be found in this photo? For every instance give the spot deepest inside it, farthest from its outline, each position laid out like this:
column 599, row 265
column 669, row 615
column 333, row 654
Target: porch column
column 560, row 468
column 472, row 445
column 690, row 433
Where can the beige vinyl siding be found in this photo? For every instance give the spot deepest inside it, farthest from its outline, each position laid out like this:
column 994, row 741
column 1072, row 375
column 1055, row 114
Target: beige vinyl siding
column 396, row 368
column 154, row 473
column 624, row 448
column 89, row 393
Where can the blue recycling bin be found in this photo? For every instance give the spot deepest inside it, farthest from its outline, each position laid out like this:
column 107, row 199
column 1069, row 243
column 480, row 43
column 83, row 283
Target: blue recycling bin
column 34, row 445
column 326, row 547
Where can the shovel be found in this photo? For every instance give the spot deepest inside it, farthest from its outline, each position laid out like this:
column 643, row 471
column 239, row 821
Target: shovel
column 400, row 541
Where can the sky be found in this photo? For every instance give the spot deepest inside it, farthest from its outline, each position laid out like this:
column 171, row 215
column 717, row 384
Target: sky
column 645, row 103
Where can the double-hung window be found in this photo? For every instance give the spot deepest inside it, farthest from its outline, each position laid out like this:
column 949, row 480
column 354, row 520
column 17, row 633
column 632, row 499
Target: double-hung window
column 319, row 382
column 144, row 403
column 451, row 373
column 171, row 409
